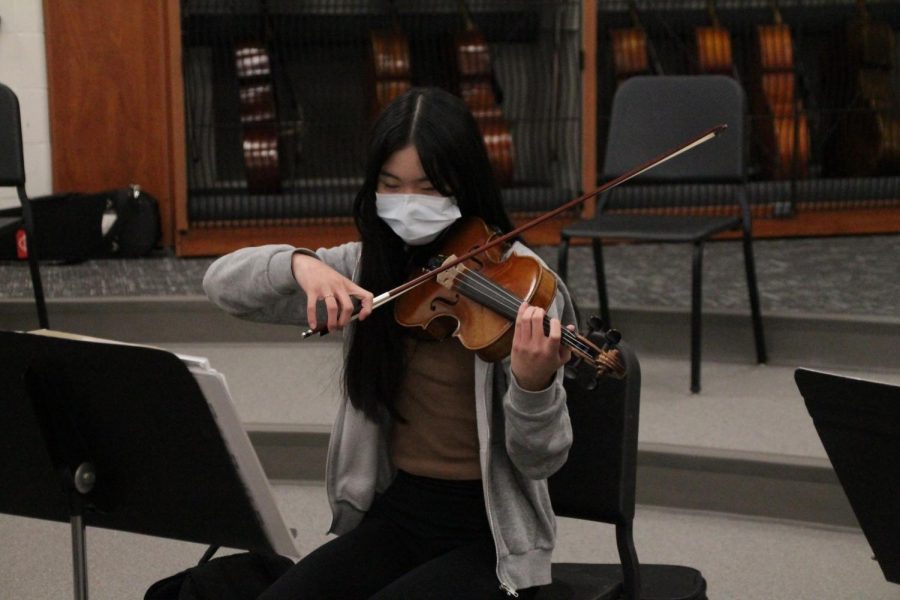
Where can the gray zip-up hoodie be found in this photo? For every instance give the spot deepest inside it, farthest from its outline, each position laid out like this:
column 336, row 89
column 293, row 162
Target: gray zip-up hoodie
column 524, row 436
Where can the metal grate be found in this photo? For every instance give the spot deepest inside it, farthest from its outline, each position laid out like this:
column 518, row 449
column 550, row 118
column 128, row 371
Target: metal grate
column 319, row 85
column 837, row 145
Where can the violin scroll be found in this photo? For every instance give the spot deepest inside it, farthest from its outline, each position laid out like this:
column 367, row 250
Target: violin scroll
column 601, row 358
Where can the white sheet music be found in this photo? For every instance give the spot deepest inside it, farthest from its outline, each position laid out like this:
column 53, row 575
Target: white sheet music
column 215, row 389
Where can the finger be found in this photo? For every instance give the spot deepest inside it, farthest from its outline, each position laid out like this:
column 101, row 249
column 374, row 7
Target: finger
column 563, row 352
column 537, row 323
column 332, row 306
column 311, row 301
column 519, row 333
column 366, row 297
column 555, row 334
column 527, row 332
column 346, row 308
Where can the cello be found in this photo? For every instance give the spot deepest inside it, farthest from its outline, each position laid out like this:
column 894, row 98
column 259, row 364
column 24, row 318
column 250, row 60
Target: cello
column 867, row 139
column 478, row 89
column 258, row 110
column 783, row 131
column 713, row 43
column 389, row 61
column 258, row 116
column 633, row 52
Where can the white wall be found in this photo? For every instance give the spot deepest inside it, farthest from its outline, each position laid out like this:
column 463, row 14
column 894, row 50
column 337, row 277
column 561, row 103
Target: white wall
column 23, row 67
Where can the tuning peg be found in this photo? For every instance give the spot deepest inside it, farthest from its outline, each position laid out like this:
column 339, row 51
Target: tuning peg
column 595, row 323
column 435, row 261
column 611, row 338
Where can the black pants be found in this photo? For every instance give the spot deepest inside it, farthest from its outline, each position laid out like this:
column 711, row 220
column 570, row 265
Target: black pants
column 423, row 538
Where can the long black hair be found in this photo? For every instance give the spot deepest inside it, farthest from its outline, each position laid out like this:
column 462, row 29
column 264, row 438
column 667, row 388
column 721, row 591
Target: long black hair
column 455, row 160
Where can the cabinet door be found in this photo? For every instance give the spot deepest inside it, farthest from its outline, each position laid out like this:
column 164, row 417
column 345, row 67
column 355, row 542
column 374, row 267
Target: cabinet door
column 115, row 94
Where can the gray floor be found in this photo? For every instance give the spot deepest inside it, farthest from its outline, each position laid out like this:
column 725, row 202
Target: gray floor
column 740, row 558
column 743, row 408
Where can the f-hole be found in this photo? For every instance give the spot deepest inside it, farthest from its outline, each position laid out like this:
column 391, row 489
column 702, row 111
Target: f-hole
column 479, row 264
column 445, row 301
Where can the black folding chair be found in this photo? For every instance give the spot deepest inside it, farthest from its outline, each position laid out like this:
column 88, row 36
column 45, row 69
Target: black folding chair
column 597, row 483
column 12, row 174
column 689, row 199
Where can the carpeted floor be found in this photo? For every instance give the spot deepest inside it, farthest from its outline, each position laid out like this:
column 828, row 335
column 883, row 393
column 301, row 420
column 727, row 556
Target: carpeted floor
column 858, row 275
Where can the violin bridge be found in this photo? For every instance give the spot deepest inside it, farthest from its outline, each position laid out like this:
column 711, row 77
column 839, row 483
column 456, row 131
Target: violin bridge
column 447, row 277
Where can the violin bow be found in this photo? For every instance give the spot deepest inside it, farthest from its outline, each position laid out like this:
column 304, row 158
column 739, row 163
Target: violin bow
column 668, row 155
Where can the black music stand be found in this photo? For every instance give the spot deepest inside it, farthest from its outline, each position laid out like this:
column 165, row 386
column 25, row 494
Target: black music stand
column 122, row 437
column 859, row 424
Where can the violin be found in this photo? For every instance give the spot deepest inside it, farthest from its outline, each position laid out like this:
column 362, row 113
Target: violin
column 498, row 285
column 476, row 301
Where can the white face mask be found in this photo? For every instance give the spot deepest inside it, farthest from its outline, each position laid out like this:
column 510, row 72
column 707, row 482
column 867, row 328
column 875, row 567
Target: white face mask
column 417, row 218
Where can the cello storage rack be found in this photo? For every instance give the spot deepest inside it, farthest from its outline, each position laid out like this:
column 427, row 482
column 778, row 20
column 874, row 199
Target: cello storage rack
column 316, row 75
column 824, row 102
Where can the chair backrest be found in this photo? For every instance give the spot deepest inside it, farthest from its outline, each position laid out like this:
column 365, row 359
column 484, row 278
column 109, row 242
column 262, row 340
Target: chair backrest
column 12, row 162
column 651, row 114
column 598, row 480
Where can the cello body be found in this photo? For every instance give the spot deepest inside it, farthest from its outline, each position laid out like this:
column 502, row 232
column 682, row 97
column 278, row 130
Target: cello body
column 782, row 130
column 867, row 137
column 390, row 67
column 259, row 117
column 713, row 46
column 478, row 89
column 632, row 52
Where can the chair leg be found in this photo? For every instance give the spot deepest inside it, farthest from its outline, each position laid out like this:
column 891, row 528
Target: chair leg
column 631, row 574
column 36, row 284
column 696, row 306
column 562, row 260
column 601, row 282
column 38, row 290
column 750, row 266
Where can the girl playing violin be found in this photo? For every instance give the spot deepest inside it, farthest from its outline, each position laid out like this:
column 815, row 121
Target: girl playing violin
column 438, row 461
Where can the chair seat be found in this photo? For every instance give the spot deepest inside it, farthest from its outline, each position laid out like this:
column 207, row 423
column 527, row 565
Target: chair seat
column 658, row 228
column 579, row 581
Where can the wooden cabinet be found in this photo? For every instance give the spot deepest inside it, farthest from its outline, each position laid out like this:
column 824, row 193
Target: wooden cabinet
column 116, row 113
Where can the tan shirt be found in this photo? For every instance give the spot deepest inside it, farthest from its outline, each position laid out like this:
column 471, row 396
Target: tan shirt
column 440, row 437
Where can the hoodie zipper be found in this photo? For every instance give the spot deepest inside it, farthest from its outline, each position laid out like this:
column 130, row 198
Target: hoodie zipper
column 509, row 590
column 485, row 478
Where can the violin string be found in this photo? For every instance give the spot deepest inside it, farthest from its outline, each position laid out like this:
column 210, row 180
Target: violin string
column 508, row 301
column 511, row 303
